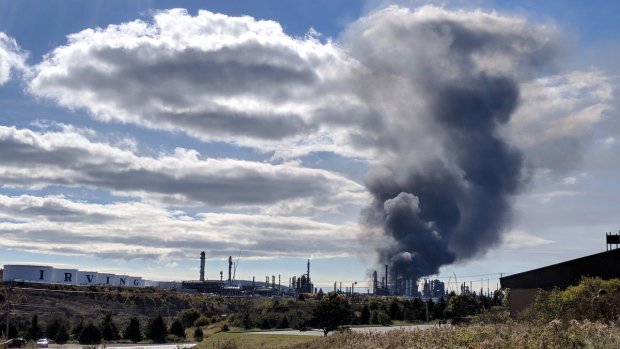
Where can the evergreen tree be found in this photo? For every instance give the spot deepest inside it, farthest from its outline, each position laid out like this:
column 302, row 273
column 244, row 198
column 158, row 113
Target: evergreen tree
column 284, row 323
column 365, row 316
column 198, row 334
column 132, row 330
column 62, row 336
column 34, row 330
column 75, row 333
column 395, row 311
column 177, row 329
column 332, row 312
column 90, row 335
column 52, row 329
column 156, row 329
column 12, row 330
column 188, row 317
column 374, row 318
column 108, row 329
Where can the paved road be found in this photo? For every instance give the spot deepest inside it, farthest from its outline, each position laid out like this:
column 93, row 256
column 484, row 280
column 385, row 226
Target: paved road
column 377, row 329
column 127, row 346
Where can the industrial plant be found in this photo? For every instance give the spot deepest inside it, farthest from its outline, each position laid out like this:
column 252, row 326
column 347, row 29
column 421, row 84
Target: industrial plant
column 272, row 285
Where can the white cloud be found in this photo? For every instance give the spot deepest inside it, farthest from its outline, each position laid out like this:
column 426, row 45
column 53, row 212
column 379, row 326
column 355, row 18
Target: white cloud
column 557, row 114
column 522, row 239
column 610, row 141
column 569, row 180
column 68, row 157
column 11, row 57
column 212, row 76
column 140, row 230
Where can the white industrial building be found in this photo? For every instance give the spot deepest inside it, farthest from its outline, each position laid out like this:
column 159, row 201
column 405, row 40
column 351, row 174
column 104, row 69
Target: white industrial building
column 50, row 275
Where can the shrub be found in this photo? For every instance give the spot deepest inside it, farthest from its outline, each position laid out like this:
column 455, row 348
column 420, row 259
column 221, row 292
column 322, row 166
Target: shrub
column 90, row 335
column 593, row 299
column 62, row 336
column 109, row 332
column 198, row 334
column 156, row 329
column 177, row 329
column 132, row 330
column 202, row 321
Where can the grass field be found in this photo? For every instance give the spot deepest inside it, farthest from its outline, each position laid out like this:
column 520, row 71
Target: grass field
column 553, row 335
column 252, row 340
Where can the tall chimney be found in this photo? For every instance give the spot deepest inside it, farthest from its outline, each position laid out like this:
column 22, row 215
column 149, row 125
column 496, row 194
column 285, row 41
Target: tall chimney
column 230, row 263
column 386, row 276
column 374, row 282
column 308, row 271
column 202, row 266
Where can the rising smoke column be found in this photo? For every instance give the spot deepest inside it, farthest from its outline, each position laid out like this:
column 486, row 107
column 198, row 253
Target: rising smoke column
column 443, row 84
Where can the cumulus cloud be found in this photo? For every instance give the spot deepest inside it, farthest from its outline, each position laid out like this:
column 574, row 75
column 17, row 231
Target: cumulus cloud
column 11, row 57
column 557, row 116
column 520, row 239
column 212, row 76
column 68, row 157
column 140, row 230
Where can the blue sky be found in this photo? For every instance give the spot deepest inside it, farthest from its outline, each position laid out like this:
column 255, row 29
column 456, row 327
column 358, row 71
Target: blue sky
column 132, row 147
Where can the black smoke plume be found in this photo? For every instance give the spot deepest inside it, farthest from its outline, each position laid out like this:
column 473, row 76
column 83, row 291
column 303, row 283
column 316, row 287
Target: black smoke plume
column 438, row 214
column 451, row 199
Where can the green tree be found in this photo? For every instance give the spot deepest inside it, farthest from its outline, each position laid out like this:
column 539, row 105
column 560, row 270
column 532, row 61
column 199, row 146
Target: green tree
column 177, row 329
column 198, row 334
column 90, row 335
column 34, row 330
column 365, row 316
column 461, row 305
column 77, row 329
column 374, row 317
column 395, row 311
column 332, row 312
column 439, row 309
column 188, row 316
column 132, row 330
column 62, row 336
column 156, row 329
column 51, row 330
column 108, row 329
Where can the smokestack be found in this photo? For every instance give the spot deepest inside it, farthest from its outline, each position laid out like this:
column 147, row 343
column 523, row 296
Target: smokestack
column 202, row 266
column 308, row 273
column 386, row 276
column 374, row 282
column 230, row 264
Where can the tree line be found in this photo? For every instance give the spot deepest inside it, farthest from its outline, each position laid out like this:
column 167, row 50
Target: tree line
column 155, row 329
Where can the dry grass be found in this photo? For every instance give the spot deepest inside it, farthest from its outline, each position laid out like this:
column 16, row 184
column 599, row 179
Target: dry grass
column 501, row 336
column 238, row 340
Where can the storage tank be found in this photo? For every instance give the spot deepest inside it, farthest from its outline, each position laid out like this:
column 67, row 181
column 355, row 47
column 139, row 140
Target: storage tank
column 65, row 276
column 106, row 279
column 29, row 273
column 87, row 277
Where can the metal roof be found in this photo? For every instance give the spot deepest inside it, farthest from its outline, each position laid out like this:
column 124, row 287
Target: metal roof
column 605, row 265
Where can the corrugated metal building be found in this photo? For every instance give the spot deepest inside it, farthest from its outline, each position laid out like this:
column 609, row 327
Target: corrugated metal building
column 523, row 286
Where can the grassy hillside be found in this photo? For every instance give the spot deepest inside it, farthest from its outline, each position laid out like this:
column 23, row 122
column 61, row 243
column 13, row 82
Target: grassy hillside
column 90, row 304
